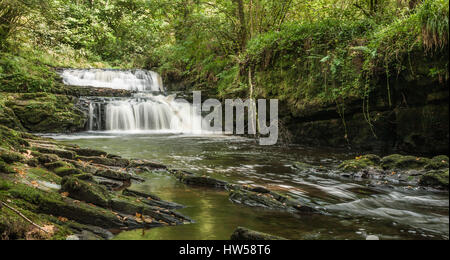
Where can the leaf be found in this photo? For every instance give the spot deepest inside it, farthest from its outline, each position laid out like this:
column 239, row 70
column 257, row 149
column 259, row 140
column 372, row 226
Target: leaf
column 63, row 219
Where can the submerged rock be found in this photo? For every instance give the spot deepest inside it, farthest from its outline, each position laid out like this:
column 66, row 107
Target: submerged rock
column 151, row 199
column 116, row 162
column 244, row 234
column 436, row 179
column 264, row 198
column 195, row 180
column 400, row 169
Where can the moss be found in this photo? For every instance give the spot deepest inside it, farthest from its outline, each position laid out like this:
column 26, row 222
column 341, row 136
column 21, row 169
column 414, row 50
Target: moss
column 45, row 158
column 42, row 174
column 53, row 203
column 57, row 151
column 361, row 163
column 57, row 164
column 66, row 171
column 438, row 162
column 11, row 139
column 6, row 168
column 437, row 179
column 117, row 162
column 85, row 191
column 11, row 157
column 43, row 112
column 114, row 175
column 400, row 162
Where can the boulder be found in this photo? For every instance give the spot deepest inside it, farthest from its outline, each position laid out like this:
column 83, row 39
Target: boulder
column 85, row 191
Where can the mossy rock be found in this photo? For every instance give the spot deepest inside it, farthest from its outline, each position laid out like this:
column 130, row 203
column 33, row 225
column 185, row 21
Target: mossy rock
column 53, row 203
column 85, row 191
column 85, row 177
column 11, row 139
column 46, row 158
column 118, row 162
column 57, row 164
column 401, row 162
column 6, row 168
column 361, row 163
column 89, row 152
column 67, row 171
column 437, row 179
column 11, row 157
column 47, row 112
column 438, row 162
column 59, row 152
column 113, row 175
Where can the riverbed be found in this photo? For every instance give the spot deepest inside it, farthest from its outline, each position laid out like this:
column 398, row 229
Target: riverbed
column 354, row 210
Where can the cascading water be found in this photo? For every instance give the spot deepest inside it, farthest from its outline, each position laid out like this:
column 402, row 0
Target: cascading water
column 145, row 111
column 133, row 80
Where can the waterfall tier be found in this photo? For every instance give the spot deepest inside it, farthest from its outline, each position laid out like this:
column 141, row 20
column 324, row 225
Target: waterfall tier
column 151, row 113
column 133, row 80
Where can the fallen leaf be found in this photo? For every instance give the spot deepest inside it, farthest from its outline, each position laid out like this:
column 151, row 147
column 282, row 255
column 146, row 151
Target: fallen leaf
column 63, row 219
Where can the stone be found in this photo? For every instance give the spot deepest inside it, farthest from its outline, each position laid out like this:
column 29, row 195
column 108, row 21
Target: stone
column 244, row 234
column 85, row 191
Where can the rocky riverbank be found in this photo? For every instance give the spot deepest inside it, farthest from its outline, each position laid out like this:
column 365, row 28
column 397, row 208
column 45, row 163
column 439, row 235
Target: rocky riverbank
column 68, row 192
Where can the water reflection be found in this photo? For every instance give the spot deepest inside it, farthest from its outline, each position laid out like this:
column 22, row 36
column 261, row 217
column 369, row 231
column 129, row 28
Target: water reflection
column 355, row 209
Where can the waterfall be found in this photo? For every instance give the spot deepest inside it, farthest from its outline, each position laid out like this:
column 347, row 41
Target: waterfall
column 150, row 113
column 145, row 111
column 133, row 80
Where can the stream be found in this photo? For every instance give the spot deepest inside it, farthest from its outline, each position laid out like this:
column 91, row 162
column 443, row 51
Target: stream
column 354, row 209
column 150, row 125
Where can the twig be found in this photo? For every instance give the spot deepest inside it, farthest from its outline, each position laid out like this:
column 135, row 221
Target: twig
column 23, row 216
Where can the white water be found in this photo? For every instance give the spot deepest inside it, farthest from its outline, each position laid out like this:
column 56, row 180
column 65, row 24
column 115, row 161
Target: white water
column 153, row 113
column 133, row 80
column 143, row 112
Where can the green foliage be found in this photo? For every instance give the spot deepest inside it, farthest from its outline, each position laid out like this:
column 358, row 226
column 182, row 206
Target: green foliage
column 433, row 17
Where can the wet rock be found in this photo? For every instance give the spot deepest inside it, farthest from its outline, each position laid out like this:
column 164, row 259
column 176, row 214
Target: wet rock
column 269, row 200
column 54, row 204
column 6, row 168
column 67, row 171
column 192, row 179
column 400, row 162
column 244, row 234
column 113, row 175
column 159, row 215
column 437, row 179
column 120, row 162
column 56, row 151
column 57, row 164
column 49, row 114
column 110, row 184
column 145, row 164
column 46, row 158
column 369, row 161
column 85, row 191
column 88, row 152
column 152, row 200
column 10, row 156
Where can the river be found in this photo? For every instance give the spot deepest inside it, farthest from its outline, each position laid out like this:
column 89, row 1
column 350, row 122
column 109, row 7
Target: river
column 353, row 209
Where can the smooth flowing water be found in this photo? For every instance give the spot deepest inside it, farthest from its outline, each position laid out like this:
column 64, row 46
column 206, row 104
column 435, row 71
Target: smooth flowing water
column 354, row 209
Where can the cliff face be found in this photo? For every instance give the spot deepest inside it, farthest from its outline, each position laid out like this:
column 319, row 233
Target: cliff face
column 415, row 122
